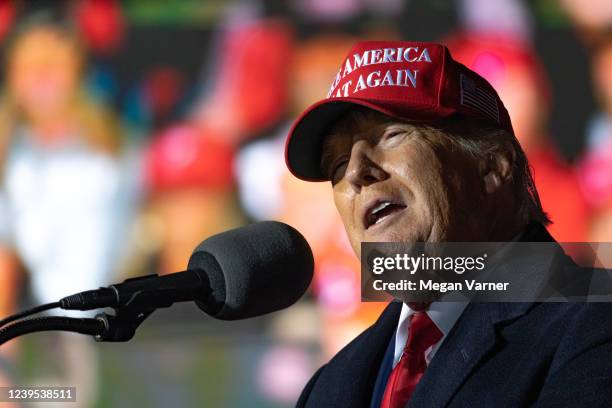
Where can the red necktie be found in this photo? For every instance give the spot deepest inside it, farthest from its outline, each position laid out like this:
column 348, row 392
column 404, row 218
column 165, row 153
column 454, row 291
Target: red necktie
column 423, row 333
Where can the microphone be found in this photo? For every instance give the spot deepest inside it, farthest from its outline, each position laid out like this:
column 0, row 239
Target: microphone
column 237, row 274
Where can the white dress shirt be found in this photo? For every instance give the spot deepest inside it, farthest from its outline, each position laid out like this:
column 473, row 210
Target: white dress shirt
column 443, row 314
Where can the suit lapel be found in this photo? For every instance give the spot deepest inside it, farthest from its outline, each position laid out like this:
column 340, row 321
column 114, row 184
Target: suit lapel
column 472, row 338
column 469, row 341
column 467, row 344
column 363, row 361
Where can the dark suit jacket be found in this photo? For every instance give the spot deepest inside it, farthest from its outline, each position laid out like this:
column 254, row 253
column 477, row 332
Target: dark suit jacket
column 496, row 355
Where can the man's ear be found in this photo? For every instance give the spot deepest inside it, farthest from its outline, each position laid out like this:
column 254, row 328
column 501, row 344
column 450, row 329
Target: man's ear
column 497, row 171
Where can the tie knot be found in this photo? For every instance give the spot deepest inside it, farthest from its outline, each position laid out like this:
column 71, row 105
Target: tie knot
column 423, row 333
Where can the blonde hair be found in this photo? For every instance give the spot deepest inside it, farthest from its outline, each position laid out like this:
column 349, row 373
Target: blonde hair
column 98, row 127
column 481, row 141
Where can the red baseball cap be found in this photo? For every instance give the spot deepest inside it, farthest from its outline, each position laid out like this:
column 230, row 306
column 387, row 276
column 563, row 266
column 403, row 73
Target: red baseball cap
column 184, row 156
column 416, row 81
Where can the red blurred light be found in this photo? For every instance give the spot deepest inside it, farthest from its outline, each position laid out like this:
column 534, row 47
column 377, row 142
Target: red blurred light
column 101, row 23
column 7, row 14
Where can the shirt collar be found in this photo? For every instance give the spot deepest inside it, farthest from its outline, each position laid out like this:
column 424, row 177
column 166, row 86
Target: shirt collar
column 443, row 314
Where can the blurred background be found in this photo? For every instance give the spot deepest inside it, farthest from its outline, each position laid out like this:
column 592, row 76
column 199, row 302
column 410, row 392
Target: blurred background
column 130, row 131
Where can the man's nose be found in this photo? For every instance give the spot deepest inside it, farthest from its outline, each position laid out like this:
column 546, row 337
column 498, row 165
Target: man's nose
column 362, row 170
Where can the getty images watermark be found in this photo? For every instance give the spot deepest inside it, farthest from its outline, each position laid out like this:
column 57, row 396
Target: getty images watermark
column 486, row 271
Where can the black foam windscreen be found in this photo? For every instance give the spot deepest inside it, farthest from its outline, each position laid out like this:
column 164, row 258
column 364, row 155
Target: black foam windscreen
column 254, row 270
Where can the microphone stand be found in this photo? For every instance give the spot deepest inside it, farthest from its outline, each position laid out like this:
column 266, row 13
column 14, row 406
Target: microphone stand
column 94, row 327
column 105, row 327
column 133, row 301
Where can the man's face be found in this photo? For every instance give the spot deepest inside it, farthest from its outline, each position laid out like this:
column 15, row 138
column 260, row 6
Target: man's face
column 393, row 182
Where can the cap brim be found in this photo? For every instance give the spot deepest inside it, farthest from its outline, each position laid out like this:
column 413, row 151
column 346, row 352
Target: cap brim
column 305, row 139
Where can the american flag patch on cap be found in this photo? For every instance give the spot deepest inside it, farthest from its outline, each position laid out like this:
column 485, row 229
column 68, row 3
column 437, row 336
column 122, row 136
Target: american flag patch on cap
column 479, row 99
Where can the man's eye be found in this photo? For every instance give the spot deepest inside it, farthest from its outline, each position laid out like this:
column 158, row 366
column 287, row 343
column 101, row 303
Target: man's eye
column 393, row 133
column 338, row 171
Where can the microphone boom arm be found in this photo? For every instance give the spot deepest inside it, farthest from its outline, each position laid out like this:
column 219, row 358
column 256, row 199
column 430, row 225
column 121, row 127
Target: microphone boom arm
column 88, row 326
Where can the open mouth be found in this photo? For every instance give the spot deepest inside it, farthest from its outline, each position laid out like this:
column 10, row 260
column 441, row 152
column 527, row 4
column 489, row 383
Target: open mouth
column 381, row 210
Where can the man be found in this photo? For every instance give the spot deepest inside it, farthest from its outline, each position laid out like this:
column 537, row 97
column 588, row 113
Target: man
column 418, row 148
